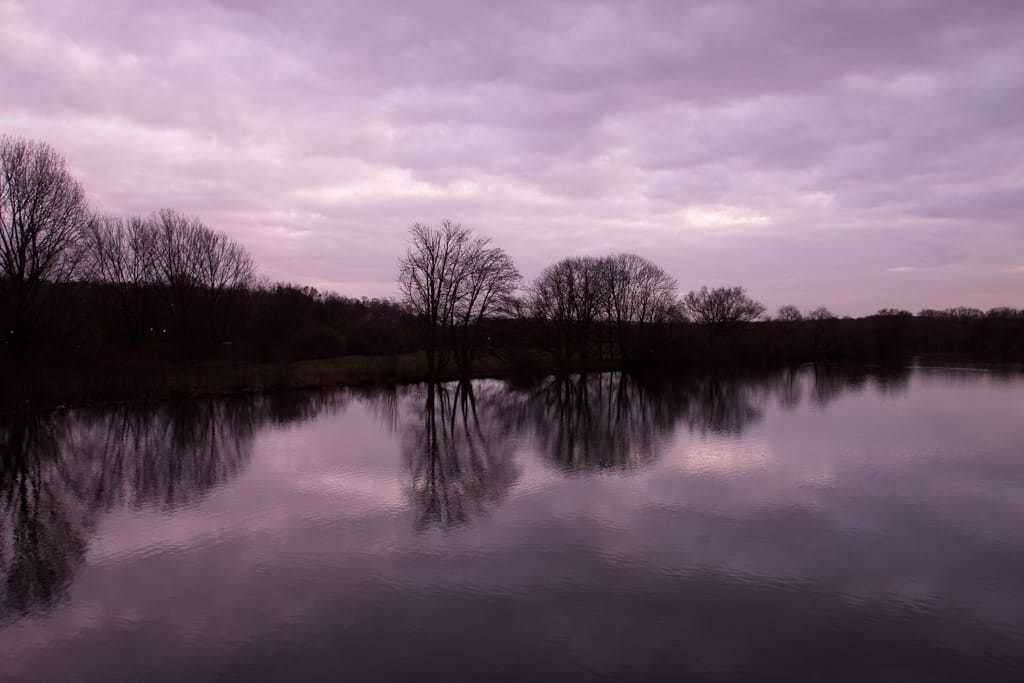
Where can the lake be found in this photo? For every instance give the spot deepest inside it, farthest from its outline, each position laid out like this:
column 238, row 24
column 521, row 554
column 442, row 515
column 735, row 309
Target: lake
column 811, row 524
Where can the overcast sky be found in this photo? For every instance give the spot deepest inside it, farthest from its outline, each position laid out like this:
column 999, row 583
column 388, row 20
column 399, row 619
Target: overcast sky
column 852, row 154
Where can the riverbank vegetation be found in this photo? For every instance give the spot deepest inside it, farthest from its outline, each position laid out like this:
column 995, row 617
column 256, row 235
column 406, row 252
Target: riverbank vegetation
column 95, row 307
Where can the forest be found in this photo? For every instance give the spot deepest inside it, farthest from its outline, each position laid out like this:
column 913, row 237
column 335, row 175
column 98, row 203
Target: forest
column 104, row 307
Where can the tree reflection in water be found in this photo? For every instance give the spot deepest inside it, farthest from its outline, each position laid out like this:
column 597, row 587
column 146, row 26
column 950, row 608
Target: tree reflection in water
column 460, row 461
column 614, row 421
column 42, row 538
column 59, row 471
column 833, row 381
column 720, row 405
column 603, row 421
column 791, row 389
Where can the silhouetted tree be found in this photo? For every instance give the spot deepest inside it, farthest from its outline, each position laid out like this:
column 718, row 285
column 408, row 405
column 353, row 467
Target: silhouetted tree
column 823, row 324
column 892, row 331
column 176, row 262
column 1003, row 313
column 488, row 290
column 789, row 313
column 43, row 216
column 721, row 307
column 122, row 256
column 637, row 294
column 568, row 297
column 452, row 280
column 200, row 269
column 429, row 275
column 965, row 312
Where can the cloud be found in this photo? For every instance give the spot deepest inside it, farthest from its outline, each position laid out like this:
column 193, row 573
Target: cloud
column 316, row 133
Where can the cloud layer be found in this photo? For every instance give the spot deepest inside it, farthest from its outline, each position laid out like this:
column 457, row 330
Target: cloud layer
column 856, row 155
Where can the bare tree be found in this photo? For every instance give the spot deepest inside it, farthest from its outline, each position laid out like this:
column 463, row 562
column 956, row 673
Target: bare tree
column 122, row 250
column 637, row 294
column 43, row 215
column 893, row 313
column 176, row 264
column 790, row 313
column 199, row 268
column 177, row 237
column 122, row 255
column 488, row 290
column 721, row 307
column 822, row 328
column 1002, row 313
column 223, row 270
column 222, row 265
column 429, row 274
column 569, row 296
column 453, row 281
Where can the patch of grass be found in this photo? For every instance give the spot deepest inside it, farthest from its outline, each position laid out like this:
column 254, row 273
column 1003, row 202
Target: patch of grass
column 67, row 382
column 44, row 386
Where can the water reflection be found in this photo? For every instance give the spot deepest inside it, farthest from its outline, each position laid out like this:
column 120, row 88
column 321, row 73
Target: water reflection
column 46, row 515
column 831, row 382
column 719, row 405
column 883, row 529
column 60, row 470
column 615, row 421
column 588, row 422
column 460, row 461
column 791, row 389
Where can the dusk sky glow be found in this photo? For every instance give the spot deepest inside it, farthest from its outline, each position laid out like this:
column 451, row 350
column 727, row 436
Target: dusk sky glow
column 856, row 155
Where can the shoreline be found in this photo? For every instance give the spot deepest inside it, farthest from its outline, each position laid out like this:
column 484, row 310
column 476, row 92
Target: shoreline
column 43, row 388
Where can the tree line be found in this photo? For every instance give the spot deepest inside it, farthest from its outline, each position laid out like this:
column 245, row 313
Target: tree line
column 622, row 310
column 167, row 286
column 72, row 278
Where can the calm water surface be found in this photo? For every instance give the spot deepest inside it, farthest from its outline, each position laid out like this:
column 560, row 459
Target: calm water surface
column 807, row 525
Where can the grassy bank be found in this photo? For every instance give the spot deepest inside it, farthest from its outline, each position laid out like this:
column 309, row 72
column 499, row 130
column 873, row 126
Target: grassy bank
column 45, row 386
column 103, row 375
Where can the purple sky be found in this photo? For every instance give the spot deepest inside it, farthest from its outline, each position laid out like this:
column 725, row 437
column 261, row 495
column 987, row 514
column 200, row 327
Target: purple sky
column 852, row 154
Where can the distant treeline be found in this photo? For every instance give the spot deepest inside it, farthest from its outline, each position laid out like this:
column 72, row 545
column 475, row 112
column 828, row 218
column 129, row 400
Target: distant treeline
column 165, row 285
column 167, row 288
column 623, row 311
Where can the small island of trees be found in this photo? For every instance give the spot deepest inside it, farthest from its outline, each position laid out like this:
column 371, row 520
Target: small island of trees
column 98, row 307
